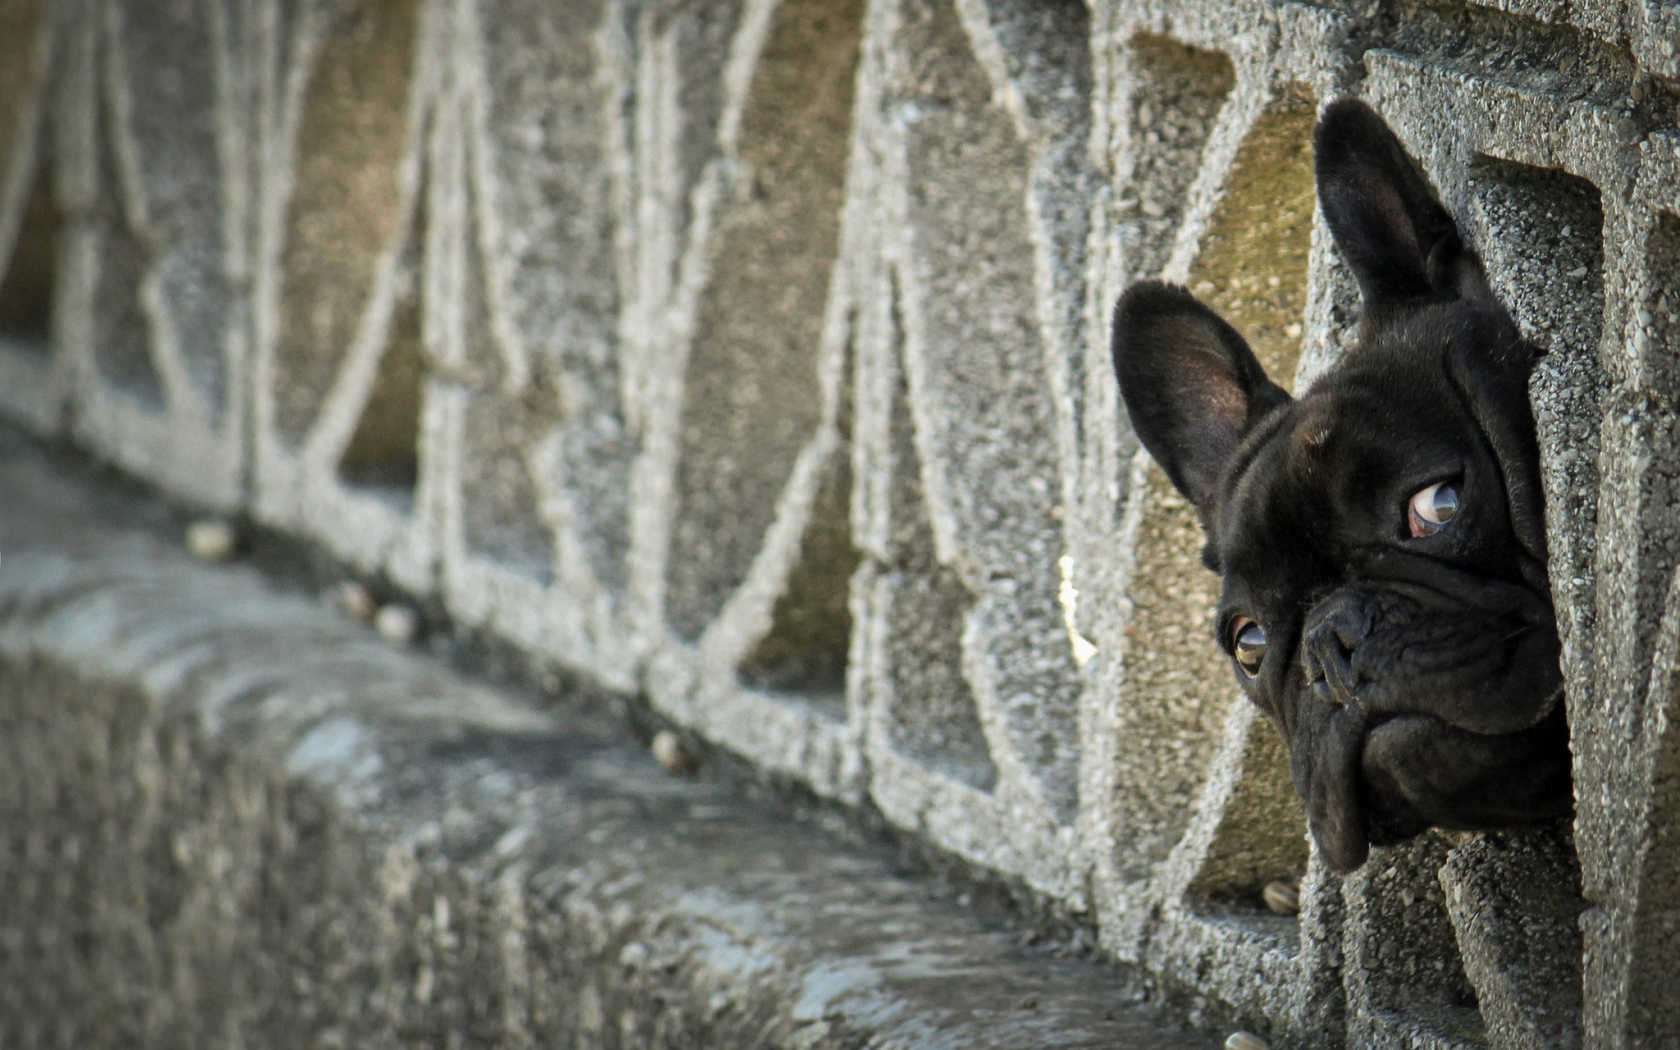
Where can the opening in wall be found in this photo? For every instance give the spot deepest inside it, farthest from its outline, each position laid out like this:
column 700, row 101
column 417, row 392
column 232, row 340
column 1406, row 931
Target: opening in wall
column 346, row 201
column 805, row 652
column 31, row 271
column 1252, row 263
column 751, row 397
column 383, row 454
column 1252, row 269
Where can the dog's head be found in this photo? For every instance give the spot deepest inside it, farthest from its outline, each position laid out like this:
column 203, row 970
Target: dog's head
column 1381, row 540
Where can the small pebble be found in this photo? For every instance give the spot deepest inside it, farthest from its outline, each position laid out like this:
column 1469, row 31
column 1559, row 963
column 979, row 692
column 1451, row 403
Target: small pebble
column 397, row 624
column 1246, row 1041
column 669, row 752
column 1283, row 896
column 210, row 539
column 354, row 599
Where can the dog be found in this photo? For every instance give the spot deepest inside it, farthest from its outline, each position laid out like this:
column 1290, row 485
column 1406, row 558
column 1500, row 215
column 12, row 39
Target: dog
column 1381, row 540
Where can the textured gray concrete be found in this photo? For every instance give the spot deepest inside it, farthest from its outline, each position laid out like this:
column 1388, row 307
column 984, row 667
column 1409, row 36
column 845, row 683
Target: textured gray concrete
column 749, row 355
column 236, row 817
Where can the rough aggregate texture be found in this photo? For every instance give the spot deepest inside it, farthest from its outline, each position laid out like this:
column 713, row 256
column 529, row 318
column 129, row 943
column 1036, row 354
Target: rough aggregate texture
column 752, row 356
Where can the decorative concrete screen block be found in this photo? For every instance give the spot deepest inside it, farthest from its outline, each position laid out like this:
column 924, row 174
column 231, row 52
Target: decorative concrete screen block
column 1515, row 905
column 548, row 139
column 116, row 222
column 752, row 398
column 1406, row 985
column 751, row 355
column 754, row 552
column 337, row 324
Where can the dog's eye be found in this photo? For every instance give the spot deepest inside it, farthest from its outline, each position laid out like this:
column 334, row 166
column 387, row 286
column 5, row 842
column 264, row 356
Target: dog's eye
column 1248, row 645
column 1431, row 509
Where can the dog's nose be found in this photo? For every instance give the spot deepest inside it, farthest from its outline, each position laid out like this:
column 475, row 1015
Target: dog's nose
column 1333, row 632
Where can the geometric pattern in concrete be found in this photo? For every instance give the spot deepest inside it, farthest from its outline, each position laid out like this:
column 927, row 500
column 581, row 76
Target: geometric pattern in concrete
column 752, row 355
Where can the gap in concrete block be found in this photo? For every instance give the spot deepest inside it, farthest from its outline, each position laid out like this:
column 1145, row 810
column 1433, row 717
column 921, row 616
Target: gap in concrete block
column 1251, row 266
column 1261, row 835
column 383, row 456
column 346, row 204
column 1177, row 93
column 804, row 655
column 1179, row 685
column 122, row 330
column 805, row 652
column 30, row 273
column 751, row 398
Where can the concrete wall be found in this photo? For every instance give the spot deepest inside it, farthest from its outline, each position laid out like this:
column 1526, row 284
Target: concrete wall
column 751, row 353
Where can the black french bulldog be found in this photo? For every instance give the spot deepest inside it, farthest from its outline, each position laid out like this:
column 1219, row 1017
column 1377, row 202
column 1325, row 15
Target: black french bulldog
column 1382, row 539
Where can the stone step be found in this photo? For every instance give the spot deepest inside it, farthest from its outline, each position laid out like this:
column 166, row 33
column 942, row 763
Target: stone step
column 232, row 815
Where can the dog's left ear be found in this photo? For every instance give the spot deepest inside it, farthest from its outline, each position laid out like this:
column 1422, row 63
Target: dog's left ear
column 1389, row 226
column 1191, row 385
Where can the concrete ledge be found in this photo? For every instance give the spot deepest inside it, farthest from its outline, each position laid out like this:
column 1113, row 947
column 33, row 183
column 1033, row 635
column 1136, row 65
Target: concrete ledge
column 231, row 816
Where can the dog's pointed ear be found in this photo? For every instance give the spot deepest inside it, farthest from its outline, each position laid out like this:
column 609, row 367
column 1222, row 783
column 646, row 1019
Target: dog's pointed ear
column 1386, row 219
column 1191, row 385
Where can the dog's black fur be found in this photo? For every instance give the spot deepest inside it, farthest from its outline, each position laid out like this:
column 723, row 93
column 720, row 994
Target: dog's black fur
column 1415, row 677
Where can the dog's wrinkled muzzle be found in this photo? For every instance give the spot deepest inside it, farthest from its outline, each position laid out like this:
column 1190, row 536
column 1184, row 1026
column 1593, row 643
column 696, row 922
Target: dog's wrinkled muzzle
column 1486, row 661
column 1374, row 784
column 1427, row 703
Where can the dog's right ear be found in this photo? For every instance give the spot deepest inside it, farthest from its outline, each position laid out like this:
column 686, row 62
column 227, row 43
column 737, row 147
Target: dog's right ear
column 1387, row 222
column 1191, row 385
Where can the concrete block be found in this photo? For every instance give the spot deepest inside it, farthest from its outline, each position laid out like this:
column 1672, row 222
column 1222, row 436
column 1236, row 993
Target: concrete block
column 1515, row 905
column 1405, row 980
column 752, row 355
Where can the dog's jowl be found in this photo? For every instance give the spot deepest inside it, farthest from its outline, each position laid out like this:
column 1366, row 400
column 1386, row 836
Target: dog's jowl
column 1381, row 539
